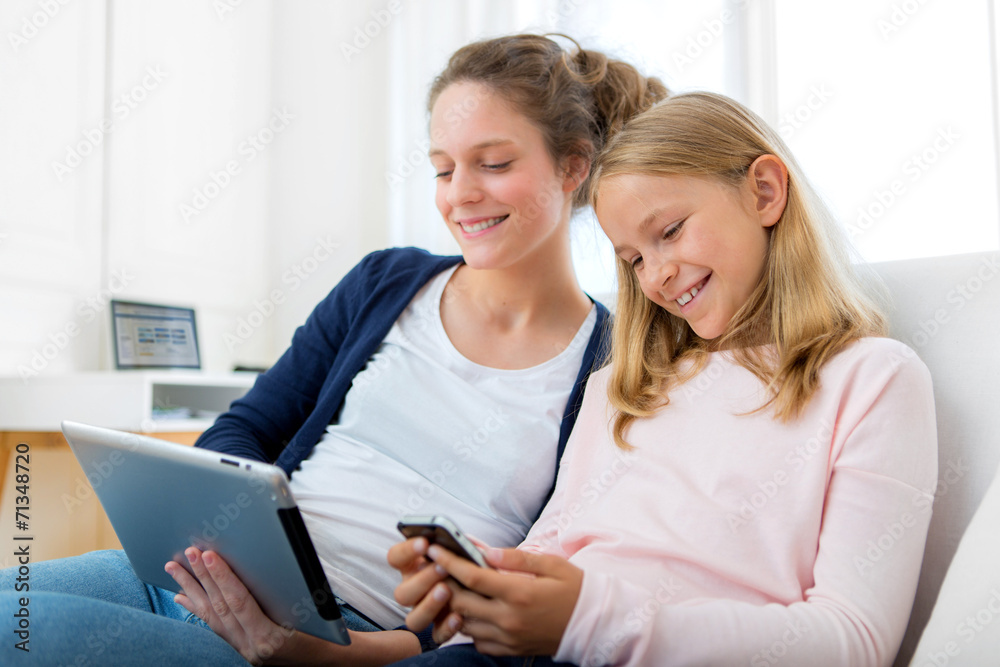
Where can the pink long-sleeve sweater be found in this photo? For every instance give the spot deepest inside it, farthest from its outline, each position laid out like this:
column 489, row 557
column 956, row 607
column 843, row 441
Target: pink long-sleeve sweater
column 726, row 538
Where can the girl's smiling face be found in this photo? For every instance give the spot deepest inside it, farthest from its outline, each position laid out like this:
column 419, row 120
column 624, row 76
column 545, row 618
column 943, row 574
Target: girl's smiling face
column 498, row 188
column 696, row 245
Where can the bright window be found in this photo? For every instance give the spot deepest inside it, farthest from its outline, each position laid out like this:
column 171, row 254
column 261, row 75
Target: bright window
column 889, row 109
column 682, row 43
column 890, row 106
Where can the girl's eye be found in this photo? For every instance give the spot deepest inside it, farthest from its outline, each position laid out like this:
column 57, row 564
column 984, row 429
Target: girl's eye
column 636, row 262
column 671, row 232
column 442, row 174
column 497, row 167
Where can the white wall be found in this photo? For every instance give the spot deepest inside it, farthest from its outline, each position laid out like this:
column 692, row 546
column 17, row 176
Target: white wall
column 229, row 147
column 51, row 91
column 327, row 183
column 187, row 186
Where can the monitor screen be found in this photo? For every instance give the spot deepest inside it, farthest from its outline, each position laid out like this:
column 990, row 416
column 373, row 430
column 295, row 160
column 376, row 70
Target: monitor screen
column 151, row 336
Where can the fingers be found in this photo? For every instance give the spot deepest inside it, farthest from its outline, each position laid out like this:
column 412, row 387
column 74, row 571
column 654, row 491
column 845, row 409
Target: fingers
column 235, row 594
column 422, row 587
column 429, row 607
column 527, row 562
column 447, row 627
column 218, row 596
column 194, row 598
column 418, row 576
column 220, row 608
column 415, row 588
column 484, row 581
column 408, row 555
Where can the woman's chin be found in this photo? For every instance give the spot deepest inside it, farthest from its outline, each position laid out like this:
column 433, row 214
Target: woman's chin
column 484, row 259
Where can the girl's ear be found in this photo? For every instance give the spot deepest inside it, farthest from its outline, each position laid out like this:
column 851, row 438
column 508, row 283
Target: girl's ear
column 768, row 180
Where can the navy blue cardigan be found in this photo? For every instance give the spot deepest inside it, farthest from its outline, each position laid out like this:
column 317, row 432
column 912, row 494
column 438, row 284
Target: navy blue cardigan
column 284, row 415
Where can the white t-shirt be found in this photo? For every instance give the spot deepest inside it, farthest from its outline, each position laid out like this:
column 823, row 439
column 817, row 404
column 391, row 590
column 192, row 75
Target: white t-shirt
column 423, row 430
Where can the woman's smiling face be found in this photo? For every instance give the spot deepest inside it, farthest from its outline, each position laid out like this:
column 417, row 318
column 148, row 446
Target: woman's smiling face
column 498, row 188
column 696, row 245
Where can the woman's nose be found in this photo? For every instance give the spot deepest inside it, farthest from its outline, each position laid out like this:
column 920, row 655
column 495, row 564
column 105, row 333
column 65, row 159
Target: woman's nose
column 463, row 188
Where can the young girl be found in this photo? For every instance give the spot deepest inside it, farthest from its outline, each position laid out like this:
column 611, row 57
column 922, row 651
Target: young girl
column 750, row 481
column 421, row 381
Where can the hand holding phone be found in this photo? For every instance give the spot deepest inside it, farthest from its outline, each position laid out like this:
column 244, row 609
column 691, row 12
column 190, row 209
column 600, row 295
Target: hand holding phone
column 441, row 530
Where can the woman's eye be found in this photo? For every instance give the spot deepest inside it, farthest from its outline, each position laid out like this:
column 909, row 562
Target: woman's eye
column 497, row 167
column 442, row 174
column 636, row 262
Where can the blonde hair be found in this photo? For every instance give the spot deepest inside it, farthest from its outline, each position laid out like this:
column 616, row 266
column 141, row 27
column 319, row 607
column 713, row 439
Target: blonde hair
column 576, row 98
column 811, row 300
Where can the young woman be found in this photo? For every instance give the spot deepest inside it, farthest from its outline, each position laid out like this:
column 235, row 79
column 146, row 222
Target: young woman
column 422, row 384
column 751, row 480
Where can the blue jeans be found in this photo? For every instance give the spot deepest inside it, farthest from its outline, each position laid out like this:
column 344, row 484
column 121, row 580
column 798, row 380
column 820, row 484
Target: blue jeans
column 94, row 610
column 466, row 655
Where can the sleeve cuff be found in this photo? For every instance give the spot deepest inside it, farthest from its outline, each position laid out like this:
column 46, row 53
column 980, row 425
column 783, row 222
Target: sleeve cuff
column 425, row 637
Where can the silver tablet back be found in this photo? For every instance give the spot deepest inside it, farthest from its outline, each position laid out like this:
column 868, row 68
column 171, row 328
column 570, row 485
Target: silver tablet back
column 162, row 498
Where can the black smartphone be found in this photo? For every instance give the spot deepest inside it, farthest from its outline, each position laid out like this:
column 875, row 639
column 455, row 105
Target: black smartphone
column 441, row 530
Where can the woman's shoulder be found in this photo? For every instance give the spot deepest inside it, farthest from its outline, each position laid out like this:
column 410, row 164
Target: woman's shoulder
column 390, row 259
column 395, row 267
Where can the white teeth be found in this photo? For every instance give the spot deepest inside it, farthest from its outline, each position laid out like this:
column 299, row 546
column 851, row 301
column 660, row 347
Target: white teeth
column 480, row 226
column 687, row 296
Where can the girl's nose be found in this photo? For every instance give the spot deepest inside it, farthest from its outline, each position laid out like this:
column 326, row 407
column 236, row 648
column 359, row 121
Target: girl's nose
column 659, row 271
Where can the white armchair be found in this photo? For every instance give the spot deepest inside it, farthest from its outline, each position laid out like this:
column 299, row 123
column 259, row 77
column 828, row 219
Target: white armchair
column 948, row 310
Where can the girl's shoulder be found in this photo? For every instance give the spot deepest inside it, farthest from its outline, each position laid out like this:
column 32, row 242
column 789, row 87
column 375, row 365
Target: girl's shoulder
column 873, row 357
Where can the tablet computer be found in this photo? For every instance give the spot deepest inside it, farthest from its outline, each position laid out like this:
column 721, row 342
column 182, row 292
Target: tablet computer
column 163, row 497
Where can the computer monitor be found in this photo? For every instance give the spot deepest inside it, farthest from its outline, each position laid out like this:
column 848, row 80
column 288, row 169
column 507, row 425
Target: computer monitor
column 148, row 335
